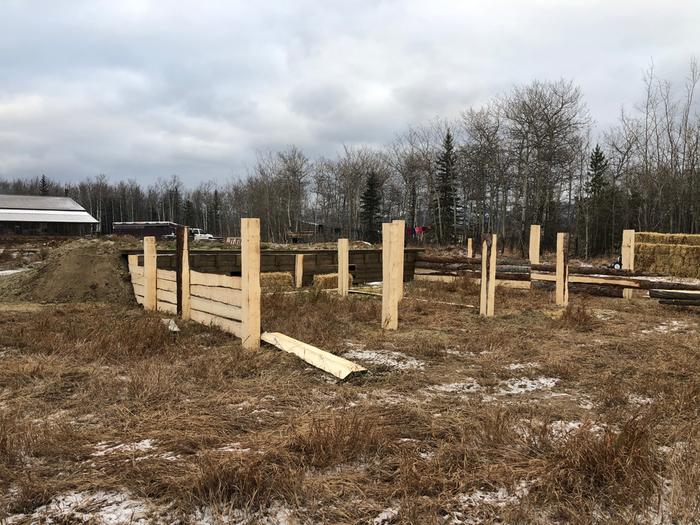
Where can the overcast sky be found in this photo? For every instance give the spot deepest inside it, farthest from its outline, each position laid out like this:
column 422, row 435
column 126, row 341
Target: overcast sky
column 146, row 89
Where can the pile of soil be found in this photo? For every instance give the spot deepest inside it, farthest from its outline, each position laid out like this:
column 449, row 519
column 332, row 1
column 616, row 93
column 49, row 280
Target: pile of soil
column 83, row 270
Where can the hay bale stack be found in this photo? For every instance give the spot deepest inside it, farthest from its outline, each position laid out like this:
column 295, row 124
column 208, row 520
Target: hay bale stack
column 276, row 281
column 328, row 281
column 667, row 238
column 678, row 260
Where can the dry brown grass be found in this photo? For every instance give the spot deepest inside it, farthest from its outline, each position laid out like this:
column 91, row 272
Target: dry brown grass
column 229, row 428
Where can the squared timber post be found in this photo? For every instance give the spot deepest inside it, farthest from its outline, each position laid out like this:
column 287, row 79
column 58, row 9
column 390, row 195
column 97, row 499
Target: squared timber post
column 485, row 257
column 398, row 250
column 343, row 267
column 150, row 272
column 298, row 270
column 535, row 231
column 390, row 304
column 470, row 248
column 562, row 286
column 250, row 283
column 627, row 257
column 183, row 272
column 490, row 303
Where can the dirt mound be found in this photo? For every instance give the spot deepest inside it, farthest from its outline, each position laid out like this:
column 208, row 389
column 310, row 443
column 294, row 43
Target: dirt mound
column 78, row 271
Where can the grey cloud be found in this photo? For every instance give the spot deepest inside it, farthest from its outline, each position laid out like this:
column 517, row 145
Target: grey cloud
column 144, row 89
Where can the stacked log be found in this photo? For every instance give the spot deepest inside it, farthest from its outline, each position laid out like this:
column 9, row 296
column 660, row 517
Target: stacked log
column 676, row 297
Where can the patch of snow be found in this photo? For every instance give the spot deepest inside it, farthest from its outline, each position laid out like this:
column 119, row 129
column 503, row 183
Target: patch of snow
column 12, row 272
column 233, row 447
column 560, row 429
column 637, row 399
column 467, row 387
column 386, row 516
column 388, row 358
column 103, row 448
column 275, row 514
column 496, row 498
column 525, row 385
column 671, row 326
column 104, row 508
column 521, row 366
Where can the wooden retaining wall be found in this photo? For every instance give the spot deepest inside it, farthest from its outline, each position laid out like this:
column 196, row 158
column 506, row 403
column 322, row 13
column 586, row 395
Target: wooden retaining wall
column 365, row 265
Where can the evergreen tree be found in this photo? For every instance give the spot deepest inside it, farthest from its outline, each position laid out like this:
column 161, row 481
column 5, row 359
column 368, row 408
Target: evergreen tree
column 598, row 213
column 447, row 203
column 189, row 214
column 44, row 186
column 370, row 207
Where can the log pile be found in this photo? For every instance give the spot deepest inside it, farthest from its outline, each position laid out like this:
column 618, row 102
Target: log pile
column 676, row 297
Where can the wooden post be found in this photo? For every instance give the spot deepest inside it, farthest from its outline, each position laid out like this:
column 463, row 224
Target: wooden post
column 150, row 257
column 343, row 267
column 250, row 283
column 627, row 257
column 535, row 231
column 490, row 303
column 398, row 247
column 485, row 257
column 470, row 248
column 298, row 270
column 562, row 286
column 390, row 305
column 184, row 278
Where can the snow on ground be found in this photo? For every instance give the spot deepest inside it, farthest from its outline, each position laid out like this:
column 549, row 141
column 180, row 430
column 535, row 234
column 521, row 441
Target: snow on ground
column 467, row 387
column 11, row 272
column 275, row 514
column 525, row 385
column 386, row 516
column 103, row 448
column 669, row 327
column 468, row 503
column 103, row 508
column 522, row 366
column 636, row 399
column 390, row 358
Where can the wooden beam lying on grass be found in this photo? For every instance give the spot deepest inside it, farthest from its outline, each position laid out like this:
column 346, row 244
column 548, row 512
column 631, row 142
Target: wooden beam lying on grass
column 331, row 363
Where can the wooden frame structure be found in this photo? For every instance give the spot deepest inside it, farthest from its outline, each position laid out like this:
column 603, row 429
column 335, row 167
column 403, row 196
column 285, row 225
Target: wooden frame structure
column 230, row 302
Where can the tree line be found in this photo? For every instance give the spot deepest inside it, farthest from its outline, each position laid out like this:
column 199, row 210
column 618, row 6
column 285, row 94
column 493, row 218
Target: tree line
column 523, row 158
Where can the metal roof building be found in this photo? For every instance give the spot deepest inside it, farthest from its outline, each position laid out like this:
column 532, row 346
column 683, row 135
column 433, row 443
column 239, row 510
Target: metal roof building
column 31, row 214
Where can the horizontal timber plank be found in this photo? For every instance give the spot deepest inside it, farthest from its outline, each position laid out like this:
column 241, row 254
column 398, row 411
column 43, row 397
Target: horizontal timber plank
column 588, row 279
column 168, row 286
column 217, row 293
column 227, row 325
column 165, row 275
column 216, row 308
column 214, row 279
column 166, row 296
column 139, row 289
column 166, row 307
column 136, row 271
column 331, row 363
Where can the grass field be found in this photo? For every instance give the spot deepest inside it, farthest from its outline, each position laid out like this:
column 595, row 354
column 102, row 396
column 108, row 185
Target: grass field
column 535, row 416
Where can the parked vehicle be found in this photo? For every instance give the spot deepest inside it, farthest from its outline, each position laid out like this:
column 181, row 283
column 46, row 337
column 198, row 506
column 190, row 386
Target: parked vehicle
column 198, row 234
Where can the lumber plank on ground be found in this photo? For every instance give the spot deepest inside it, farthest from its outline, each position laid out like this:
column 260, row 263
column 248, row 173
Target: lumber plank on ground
column 331, row 363
column 215, row 279
column 227, row 325
column 216, row 308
